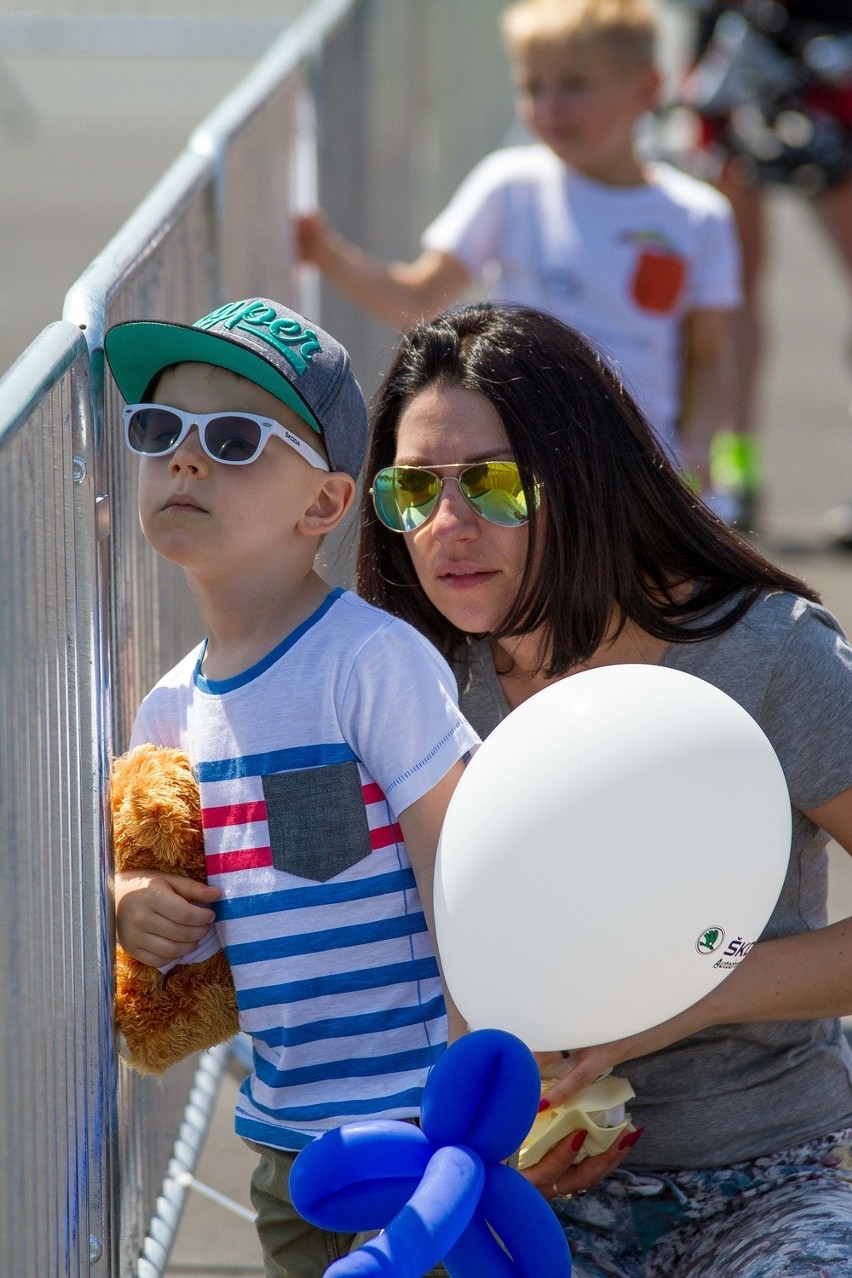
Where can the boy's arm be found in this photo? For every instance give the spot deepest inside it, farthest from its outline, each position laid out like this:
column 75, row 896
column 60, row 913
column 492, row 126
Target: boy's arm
column 161, row 917
column 421, row 825
column 707, row 384
column 400, row 293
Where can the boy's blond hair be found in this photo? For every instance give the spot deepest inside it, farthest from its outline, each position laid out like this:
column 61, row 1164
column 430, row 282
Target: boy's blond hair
column 626, row 29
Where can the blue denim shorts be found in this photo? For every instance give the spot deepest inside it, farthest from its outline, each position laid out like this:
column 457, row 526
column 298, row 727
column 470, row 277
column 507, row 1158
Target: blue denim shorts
column 784, row 1215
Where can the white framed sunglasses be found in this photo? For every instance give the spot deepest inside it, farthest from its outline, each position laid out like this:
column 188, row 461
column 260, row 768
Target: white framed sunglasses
column 234, row 439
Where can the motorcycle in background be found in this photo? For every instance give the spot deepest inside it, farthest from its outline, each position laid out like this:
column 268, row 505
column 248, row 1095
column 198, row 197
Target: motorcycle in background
column 761, row 91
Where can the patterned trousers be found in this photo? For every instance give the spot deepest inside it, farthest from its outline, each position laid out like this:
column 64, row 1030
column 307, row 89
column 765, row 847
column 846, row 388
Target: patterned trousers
column 785, row 1215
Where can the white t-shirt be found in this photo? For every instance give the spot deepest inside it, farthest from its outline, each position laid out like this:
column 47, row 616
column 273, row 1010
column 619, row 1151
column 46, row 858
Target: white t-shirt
column 304, row 763
column 623, row 265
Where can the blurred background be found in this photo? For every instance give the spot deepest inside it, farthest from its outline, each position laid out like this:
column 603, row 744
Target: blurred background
column 94, row 108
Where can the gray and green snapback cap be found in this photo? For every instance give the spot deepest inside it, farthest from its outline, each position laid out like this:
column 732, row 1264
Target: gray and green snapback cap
column 278, row 349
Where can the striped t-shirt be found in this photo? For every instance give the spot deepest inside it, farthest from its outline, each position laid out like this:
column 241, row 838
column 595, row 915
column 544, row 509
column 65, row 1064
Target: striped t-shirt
column 304, row 763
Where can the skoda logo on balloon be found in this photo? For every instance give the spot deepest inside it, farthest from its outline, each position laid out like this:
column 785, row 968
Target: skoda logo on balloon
column 710, row 940
column 602, row 843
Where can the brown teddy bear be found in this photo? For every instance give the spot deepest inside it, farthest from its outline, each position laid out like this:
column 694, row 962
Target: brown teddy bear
column 156, row 816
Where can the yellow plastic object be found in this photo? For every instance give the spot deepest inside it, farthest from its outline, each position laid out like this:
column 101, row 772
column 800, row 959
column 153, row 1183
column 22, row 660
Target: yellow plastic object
column 599, row 1108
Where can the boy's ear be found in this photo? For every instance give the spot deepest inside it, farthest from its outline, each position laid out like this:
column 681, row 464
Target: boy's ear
column 333, row 498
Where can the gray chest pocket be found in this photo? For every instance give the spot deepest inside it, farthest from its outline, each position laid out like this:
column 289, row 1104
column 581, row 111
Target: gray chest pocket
column 317, row 821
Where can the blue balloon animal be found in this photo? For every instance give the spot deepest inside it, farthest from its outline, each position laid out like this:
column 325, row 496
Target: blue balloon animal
column 441, row 1192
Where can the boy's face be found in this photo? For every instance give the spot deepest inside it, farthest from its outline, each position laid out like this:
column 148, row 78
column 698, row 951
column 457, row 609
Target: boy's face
column 584, row 104
column 211, row 518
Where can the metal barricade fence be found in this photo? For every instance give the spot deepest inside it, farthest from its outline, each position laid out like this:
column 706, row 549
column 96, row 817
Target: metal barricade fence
column 57, row 1110
column 357, row 99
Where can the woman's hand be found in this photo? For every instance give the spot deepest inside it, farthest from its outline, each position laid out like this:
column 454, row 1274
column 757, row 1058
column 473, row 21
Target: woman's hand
column 574, row 1070
column 161, row 917
column 558, row 1175
column 567, row 1073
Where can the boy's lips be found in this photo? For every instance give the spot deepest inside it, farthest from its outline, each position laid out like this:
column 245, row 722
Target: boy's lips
column 181, row 501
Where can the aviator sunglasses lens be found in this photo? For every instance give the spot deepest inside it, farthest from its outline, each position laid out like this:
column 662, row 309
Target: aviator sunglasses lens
column 405, row 496
column 495, row 491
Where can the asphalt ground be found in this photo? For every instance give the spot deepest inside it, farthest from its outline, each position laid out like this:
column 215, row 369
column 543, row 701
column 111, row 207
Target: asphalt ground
column 82, row 140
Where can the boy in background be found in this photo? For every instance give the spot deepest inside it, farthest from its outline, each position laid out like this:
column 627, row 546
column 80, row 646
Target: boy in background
column 642, row 259
column 323, row 733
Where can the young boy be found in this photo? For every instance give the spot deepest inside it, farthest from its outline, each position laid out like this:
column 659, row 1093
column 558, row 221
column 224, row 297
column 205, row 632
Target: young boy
column 323, row 733
column 640, row 258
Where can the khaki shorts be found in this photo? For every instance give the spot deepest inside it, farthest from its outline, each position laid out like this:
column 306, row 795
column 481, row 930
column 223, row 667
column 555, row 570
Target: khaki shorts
column 291, row 1247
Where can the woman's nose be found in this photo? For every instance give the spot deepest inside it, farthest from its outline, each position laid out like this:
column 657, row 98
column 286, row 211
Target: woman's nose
column 453, row 515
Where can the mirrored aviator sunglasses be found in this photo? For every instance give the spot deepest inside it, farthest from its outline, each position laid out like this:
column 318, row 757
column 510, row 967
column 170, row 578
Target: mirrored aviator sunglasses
column 404, row 497
column 235, row 439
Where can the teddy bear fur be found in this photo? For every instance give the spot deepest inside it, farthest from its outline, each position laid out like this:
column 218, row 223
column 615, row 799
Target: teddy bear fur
column 156, row 816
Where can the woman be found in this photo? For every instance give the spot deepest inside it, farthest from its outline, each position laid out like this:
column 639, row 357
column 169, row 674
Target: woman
column 522, row 516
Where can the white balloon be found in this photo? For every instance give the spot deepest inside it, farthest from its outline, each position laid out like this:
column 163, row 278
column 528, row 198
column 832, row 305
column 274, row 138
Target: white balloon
column 612, row 851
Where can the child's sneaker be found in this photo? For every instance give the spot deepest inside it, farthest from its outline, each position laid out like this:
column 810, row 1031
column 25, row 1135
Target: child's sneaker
column 735, row 475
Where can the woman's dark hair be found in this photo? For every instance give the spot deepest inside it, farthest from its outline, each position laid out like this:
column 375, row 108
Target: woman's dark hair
column 619, row 527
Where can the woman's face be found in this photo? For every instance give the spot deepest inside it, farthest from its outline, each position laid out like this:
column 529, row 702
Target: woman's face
column 470, row 569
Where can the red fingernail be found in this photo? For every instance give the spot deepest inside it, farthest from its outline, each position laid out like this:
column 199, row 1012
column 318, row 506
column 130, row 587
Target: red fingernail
column 543, row 1104
column 630, row 1139
column 577, row 1142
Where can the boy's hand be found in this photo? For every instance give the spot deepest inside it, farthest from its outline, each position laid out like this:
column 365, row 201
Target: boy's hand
column 161, row 917
column 311, row 233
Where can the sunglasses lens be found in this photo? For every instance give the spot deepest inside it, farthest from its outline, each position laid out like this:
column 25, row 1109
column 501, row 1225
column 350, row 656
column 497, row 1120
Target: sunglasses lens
column 495, row 491
column 232, row 439
column 153, row 430
column 404, row 496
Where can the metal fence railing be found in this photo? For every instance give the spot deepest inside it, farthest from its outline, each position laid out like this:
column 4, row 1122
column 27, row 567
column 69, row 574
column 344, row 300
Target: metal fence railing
column 57, row 1104
column 366, row 103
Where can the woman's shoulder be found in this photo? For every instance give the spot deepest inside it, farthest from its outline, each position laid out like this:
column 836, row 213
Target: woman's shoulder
column 768, row 621
column 803, row 647
column 778, row 654
column 776, row 614
column 777, row 625
column 481, row 698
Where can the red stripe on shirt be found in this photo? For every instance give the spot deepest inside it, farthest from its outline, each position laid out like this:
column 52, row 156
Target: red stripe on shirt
column 243, row 859
column 384, row 836
column 372, row 793
column 233, row 814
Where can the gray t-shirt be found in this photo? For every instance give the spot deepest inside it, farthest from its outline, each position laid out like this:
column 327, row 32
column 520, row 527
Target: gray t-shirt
column 736, row 1092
